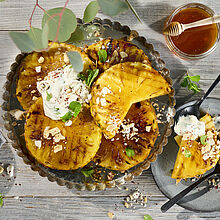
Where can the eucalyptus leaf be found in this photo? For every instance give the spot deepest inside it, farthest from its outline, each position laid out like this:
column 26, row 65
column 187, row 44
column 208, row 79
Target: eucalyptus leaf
column 36, row 35
column 2, row 0
column 68, row 23
column 91, row 11
column 77, row 35
column 76, row 60
column 44, row 36
column 113, row 7
column 23, row 41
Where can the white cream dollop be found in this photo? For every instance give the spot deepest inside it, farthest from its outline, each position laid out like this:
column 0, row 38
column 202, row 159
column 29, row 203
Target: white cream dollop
column 191, row 126
column 59, row 88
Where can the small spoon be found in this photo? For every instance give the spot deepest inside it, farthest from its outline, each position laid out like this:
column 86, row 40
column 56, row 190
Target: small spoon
column 176, row 28
column 193, row 109
column 179, row 196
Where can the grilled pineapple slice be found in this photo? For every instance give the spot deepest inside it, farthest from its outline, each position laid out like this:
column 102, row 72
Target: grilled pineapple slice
column 190, row 159
column 58, row 146
column 137, row 134
column 118, row 51
column 37, row 65
column 118, row 88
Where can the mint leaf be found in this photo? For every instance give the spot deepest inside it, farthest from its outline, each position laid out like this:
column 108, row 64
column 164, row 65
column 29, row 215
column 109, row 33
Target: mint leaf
column 82, row 77
column 49, row 96
column 1, row 200
column 129, row 152
column 77, row 35
column 203, row 139
column 91, row 76
column 195, row 78
column 184, row 83
column 188, row 82
column 194, row 87
column 102, row 55
column 88, row 172
column 75, row 107
column 76, row 60
column 90, row 11
column 187, row 153
column 67, row 116
column 148, row 217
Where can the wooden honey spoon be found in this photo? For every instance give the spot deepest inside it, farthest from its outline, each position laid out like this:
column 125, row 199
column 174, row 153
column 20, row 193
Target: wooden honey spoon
column 176, row 28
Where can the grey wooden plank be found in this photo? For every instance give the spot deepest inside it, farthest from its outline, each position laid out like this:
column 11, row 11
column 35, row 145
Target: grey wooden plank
column 92, row 208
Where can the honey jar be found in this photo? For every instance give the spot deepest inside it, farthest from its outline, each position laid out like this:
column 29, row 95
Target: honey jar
column 193, row 43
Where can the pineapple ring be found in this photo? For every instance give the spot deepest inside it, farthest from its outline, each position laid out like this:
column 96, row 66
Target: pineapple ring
column 64, row 147
column 188, row 167
column 37, row 65
column 112, row 153
column 118, row 88
column 118, row 51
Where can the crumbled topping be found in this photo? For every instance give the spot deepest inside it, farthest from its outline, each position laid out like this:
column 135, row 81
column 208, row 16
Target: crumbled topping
column 38, row 143
column 111, row 215
column 34, row 98
column 97, row 100
column 66, row 58
column 10, row 170
column 103, row 102
column 123, row 54
column 148, row 128
column 1, row 169
column 38, row 69
column 105, row 91
column 55, row 133
column 41, row 60
column 57, row 148
column 18, row 114
column 128, row 130
column 68, row 123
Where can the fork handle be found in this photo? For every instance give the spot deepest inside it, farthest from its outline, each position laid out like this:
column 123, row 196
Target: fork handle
column 206, row 21
column 179, row 196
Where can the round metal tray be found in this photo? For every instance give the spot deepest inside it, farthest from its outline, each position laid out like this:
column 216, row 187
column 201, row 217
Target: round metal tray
column 74, row 178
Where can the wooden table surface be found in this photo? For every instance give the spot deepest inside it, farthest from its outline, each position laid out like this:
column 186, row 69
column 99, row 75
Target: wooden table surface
column 30, row 196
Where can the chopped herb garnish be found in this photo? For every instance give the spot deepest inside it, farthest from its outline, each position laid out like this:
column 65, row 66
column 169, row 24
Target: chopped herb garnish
column 148, row 217
column 187, row 153
column 75, row 107
column 88, row 172
column 82, row 77
column 188, row 82
column 91, row 77
column 1, row 200
column 67, row 116
column 49, row 96
column 129, row 152
column 203, row 139
column 102, row 55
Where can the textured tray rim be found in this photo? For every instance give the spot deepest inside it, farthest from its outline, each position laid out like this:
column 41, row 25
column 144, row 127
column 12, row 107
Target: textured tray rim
column 90, row 186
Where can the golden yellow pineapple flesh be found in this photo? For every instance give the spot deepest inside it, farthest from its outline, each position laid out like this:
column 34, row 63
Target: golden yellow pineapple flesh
column 118, row 51
column 37, row 65
column 118, row 88
column 58, row 146
column 134, row 140
column 190, row 158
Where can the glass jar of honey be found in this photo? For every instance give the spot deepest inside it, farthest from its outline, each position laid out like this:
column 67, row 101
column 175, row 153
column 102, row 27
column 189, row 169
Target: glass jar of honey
column 194, row 43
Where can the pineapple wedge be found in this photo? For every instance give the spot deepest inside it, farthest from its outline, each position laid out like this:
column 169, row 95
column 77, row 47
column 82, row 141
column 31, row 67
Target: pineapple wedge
column 118, row 51
column 190, row 160
column 118, row 88
column 58, row 146
column 37, row 65
column 134, row 140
